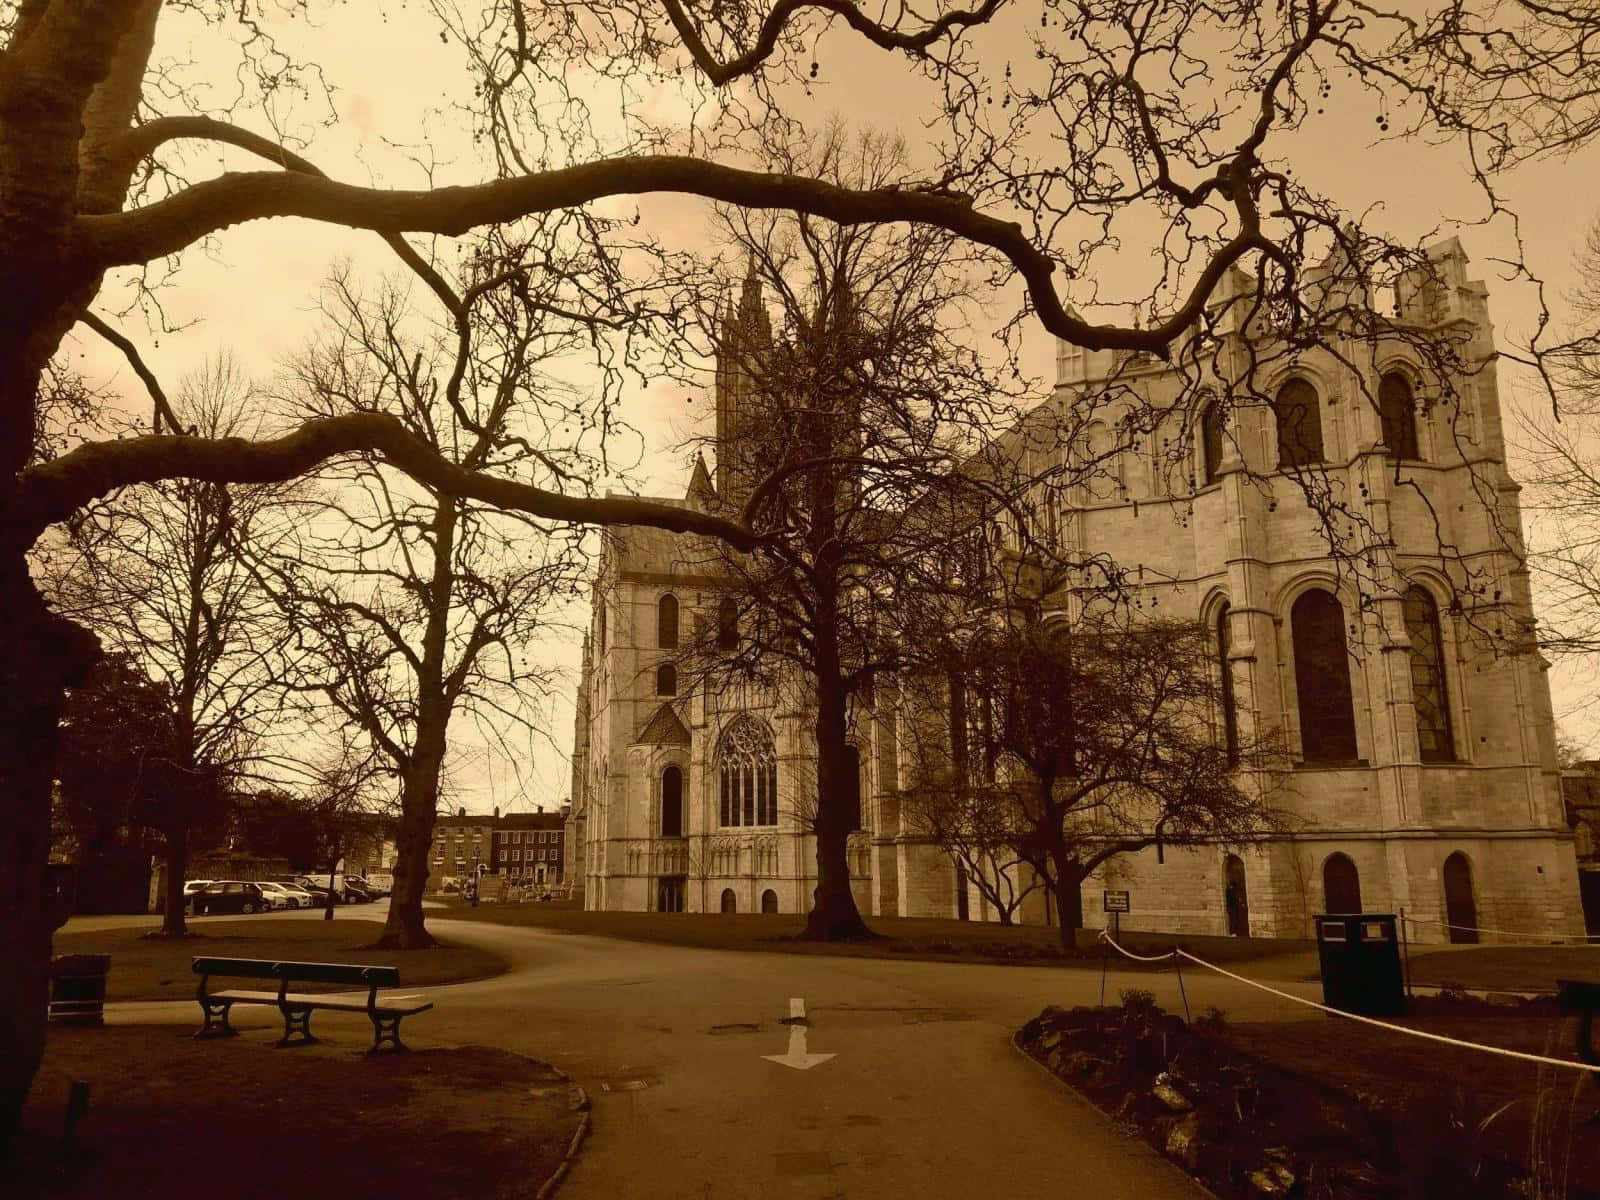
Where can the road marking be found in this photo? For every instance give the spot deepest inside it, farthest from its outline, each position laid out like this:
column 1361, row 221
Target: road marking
column 797, row 1056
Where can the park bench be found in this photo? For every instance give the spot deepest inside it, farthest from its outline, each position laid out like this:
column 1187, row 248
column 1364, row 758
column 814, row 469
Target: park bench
column 1584, row 999
column 297, row 1007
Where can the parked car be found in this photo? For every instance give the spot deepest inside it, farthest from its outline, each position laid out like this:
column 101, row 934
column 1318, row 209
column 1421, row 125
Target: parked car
column 383, row 881
column 356, row 893
column 318, row 886
column 229, row 895
column 278, row 896
column 299, row 897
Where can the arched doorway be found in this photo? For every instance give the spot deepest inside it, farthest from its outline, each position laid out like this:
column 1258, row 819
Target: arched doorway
column 1234, row 896
column 1460, row 909
column 730, row 902
column 769, row 901
column 962, row 911
column 1341, row 885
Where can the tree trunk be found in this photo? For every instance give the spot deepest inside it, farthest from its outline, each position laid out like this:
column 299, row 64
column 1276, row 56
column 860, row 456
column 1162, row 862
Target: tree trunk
column 834, row 916
column 41, row 655
column 173, row 921
column 403, row 928
column 1068, row 891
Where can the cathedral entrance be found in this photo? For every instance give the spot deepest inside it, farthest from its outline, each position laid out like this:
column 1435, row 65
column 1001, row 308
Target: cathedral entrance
column 1460, row 909
column 769, row 901
column 669, row 893
column 1235, row 898
column 730, row 902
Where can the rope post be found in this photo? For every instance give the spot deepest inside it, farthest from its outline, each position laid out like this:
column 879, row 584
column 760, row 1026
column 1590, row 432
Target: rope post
column 1177, row 965
column 1102, row 969
column 1405, row 951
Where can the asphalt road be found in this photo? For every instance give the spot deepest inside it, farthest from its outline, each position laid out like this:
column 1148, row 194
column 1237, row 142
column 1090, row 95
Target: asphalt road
column 924, row 1095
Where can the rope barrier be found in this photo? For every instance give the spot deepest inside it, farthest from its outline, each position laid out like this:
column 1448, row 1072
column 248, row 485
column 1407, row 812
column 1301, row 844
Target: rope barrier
column 1542, row 937
column 1148, row 958
column 1349, row 1016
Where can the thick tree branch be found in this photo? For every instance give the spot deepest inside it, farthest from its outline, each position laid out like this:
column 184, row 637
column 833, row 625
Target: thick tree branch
column 168, row 226
column 54, row 490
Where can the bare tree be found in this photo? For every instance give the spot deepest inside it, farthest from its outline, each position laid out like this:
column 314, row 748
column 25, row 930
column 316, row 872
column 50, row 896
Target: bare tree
column 1092, row 739
column 413, row 608
column 858, row 438
column 1166, row 111
column 157, row 574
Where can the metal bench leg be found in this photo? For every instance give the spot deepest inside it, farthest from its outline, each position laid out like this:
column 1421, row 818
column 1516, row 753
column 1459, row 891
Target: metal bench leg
column 216, row 1019
column 296, row 1026
column 386, row 1032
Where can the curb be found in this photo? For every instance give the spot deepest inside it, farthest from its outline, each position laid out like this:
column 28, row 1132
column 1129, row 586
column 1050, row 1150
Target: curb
column 580, row 1101
column 1016, row 1044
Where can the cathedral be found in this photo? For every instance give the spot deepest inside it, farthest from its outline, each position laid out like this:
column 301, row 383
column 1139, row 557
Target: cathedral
column 1424, row 775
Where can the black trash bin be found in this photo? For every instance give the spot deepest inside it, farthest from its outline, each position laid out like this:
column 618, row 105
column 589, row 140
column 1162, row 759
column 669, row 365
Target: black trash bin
column 1361, row 963
column 78, row 989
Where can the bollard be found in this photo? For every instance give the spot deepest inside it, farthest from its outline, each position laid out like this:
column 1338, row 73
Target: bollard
column 77, row 1106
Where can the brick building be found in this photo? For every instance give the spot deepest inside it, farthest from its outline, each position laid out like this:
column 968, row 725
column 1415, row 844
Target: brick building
column 1425, row 774
column 524, row 847
column 530, row 847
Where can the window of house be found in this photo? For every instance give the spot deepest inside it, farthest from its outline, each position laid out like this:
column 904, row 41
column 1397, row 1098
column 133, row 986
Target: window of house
column 1397, row 407
column 1211, row 434
column 747, row 775
column 672, row 802
column 666, row 680
column 1299, row 424
column 1322, row 678
column 667, row 622
column 1434, row 737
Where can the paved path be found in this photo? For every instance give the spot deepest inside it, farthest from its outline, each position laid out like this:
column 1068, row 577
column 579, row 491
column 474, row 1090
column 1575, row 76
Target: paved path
column 925, row 1096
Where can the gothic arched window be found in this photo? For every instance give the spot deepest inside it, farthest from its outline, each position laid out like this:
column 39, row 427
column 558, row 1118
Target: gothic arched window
column 1322, row 678
column 1211, row 434
column 1299, row 424
column 666, row 680
column 1230, row 717
column 1397, row 408
column 672, row 802
column 747, row 775
column 667, row 622
column 1434, row 739
column 728, row 624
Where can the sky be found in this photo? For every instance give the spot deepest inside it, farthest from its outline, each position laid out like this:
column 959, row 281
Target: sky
column 254, row 292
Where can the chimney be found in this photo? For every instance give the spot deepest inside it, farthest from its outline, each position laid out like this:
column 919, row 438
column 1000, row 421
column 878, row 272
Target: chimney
column 462, row 811
column 496, row 812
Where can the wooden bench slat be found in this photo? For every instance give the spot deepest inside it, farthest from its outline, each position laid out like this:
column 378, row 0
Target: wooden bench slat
column 340, row 1002
column 307, row 972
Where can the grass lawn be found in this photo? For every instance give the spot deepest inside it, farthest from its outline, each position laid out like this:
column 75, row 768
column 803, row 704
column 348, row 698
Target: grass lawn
column 1506, row 968
column 901, row 937
column 157, row 968
column 171, row 1117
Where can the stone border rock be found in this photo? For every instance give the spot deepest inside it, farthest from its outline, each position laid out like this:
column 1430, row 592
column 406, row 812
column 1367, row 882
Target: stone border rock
column 579, row 1102
column 1016, row 1044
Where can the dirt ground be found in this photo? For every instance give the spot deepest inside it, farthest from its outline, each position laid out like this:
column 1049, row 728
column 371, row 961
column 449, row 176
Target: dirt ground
column 900, row 937
column 156, row 968
column 172, row 1117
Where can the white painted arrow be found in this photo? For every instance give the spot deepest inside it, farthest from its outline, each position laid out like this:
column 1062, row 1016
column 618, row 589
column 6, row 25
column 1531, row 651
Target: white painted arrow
column 797, row 1056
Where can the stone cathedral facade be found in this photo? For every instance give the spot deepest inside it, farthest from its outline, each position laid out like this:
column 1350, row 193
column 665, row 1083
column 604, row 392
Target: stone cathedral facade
column 1425, row 774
